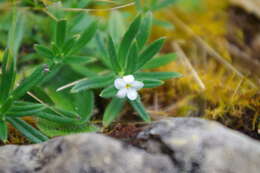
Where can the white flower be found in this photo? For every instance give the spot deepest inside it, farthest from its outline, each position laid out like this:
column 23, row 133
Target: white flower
column 128, row 86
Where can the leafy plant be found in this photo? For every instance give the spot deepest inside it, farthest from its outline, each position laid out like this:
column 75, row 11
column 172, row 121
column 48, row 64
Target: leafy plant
column 125, row 63
column 12, row 106
column 69, row 114
column 118, row 63
column 63, row 50
column 11, row 109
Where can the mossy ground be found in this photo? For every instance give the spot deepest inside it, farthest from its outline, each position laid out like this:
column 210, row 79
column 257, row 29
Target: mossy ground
column 227, row 93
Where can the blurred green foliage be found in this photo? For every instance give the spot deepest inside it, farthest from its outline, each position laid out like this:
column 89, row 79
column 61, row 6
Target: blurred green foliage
column 47, row 47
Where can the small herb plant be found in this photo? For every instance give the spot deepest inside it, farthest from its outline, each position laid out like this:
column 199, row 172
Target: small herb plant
column 126, row 63
column 63, row 49
column 57, row 121
column 117, row 65
column 52, row 120
column 11, row 107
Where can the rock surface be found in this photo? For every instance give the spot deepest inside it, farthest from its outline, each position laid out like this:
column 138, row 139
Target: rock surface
column 200, row 146
column 177, row 145
column 83, row 153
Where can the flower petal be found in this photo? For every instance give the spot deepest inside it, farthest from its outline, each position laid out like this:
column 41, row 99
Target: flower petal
column 121, row 93
column 132, row 94
column 128, row 79
column 137, row 85
column 119, row 83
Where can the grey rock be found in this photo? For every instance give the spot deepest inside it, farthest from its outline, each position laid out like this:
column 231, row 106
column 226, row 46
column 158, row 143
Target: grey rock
column 82, row 153
column 201, row 146
column 176, row 145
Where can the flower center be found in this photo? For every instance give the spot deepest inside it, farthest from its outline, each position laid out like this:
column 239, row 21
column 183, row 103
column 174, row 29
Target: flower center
column 128, row 86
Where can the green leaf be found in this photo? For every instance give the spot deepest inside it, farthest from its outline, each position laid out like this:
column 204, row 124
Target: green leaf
column 53, row 129
column 84, row 104
column 85, row 37
column 27, row 130
column 44, row 51
column 150, row 52
column 6, row 105
column 55, row 49
column 113, row 110
column 108, row 92
column 6, row 61
column 132, row 59
column 160, row 61
column 56, row 118
column 29, row 82
column 139, row 108
column 78, row 60
column 16, row 32
column 78, row 105
column 8, row 76
column 85, row 71
column 151, row 83
column 101, row 49
column 157, row 75
column 145, row 30
column 68, row 45
column 63, row 113
column 113, row 56
column 48, row 76
column 25, row 106
column 94, row 82
column 40, row 93
column 60, row 32
column 116, row 25
column 32, row 112
column 62, row 100
column 127, row 40
column 3, row 131
column 20, row 109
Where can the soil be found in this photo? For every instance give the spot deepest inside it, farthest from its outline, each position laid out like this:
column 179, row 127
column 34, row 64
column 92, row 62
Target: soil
column 124, row 132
